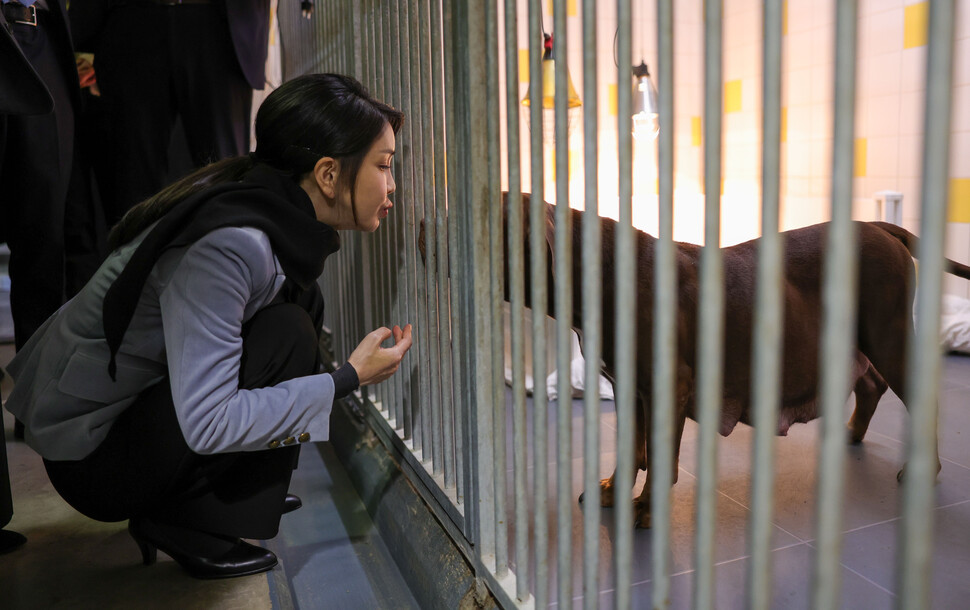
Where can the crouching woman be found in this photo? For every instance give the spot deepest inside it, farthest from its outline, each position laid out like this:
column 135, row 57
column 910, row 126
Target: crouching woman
column 175, row 389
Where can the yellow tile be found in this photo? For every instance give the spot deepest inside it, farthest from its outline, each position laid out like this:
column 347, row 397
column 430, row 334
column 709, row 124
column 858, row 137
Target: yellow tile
column 695, row 130
column 784, row 18
column 784, row 124
column 916, row 18
column 611, row 91
column 860, row 158
column 959, row 200
column 574, row 163
column 732, row 96
column 523, row 65
column 571, row 8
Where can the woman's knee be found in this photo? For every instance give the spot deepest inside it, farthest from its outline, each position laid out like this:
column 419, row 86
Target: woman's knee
column 279, row 343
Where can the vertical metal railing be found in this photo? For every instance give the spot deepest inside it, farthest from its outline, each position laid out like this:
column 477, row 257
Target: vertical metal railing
column 563, row 301
column 766, row 380
column 439, row 62
column 592, row 314
column 923, row 350
column 839, row 296
column 516, row 290
column 540, row 299
column 710, row 347
column 626, row 305
column 665, row 306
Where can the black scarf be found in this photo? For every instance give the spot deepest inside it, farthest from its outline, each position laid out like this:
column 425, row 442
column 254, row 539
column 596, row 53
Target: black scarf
column 265, row 199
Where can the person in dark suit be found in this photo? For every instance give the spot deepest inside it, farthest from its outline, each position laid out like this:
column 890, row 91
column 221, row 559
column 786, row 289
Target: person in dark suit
column 45, row 204
column 156, row 60
column 44, row 207
column 22, row 92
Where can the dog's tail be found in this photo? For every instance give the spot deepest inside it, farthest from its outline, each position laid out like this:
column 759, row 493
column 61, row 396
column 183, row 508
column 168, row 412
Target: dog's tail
column 912, row 244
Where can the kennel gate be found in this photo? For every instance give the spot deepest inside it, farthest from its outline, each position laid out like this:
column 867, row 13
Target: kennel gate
column 444, row 413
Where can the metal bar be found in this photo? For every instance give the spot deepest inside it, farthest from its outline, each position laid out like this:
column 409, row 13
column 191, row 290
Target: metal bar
column 710, row 346
column 665, row 318
column 412, row 411
column 563, row 305
column 497, row 336
column 475, row 145
column 445, row 332
column 430, row 282
column 768, row 319
column 923, row 358
column 363, row 23
column 625, row 358
column 423, row 403
column 516, row 265
column 540, row 299
column 392, row 49
column 457, row 271
column 592, row 304
column 381, row 256
column 838, row 317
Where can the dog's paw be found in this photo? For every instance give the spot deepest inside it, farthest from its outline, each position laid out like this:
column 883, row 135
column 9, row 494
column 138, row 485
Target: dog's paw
column 606, row 493
column 901, row 474
column 855, row 437
column 641, row 515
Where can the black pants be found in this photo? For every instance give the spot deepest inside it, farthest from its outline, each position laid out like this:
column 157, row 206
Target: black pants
column 155, row 63
column 144, row 468
column 45, row 211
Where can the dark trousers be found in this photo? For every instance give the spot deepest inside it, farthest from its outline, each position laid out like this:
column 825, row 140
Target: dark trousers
column 145, row 469
column 46, row 219
column 155, row 63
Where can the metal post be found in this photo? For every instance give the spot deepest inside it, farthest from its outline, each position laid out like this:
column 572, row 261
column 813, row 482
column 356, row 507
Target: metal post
column 625, row 318
column 768, row 320
column 665, row 319
column 923, row 357
column 516, row 265
column 710, row 346
column 497, row 336
column 592, row 314
column 540, row 300
column 838, row 317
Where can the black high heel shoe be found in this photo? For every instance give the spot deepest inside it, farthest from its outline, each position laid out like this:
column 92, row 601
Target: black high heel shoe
column 202, row 555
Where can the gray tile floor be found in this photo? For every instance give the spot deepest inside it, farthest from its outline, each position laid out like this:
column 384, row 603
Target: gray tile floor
column 332, row 558
column 871, row 516
column 330, row 554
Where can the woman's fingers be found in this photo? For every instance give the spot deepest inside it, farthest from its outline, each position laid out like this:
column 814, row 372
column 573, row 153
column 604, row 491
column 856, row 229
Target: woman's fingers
column 374, row 363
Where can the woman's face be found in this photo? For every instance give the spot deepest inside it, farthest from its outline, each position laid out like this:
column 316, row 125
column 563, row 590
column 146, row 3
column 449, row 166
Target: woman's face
column 375, row 182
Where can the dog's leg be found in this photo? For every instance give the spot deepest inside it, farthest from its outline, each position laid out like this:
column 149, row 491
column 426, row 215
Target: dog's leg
column 641, row 506
column 608, row 486
column 869, row 388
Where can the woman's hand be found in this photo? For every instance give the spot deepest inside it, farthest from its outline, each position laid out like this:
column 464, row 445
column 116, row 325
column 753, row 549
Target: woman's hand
column 374, row 363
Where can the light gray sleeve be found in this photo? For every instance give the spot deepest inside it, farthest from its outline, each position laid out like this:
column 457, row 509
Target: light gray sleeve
column 202, row 312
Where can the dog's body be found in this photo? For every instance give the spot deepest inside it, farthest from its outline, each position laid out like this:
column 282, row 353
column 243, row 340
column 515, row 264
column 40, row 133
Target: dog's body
column 885, row 297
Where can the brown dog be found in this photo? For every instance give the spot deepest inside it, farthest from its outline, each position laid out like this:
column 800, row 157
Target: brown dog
column 885, row 297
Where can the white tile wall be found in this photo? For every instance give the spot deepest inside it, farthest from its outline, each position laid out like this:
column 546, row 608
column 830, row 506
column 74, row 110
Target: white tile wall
column 868, row 7
column 913, row 70
column 882, row 157
column 882, row 116
column 880, row 32
column 961, row 106
column 960, row 154
column 911, row 113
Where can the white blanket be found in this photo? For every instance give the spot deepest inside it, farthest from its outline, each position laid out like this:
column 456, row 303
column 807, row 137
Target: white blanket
column 955, row 324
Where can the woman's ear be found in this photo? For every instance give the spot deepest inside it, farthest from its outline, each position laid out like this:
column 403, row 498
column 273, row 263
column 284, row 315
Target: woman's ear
column 325, row 174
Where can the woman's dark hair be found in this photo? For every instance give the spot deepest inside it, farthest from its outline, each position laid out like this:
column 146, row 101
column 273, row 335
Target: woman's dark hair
column 309, row 117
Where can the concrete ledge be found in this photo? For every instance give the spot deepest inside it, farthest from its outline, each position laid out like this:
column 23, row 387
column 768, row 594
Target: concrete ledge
column 434, row 567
